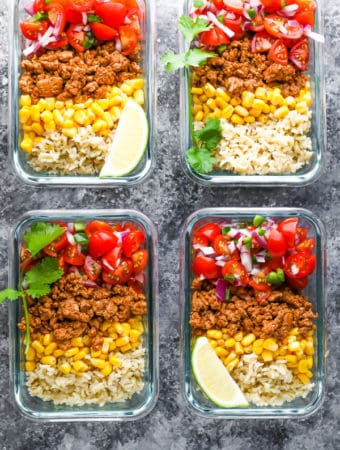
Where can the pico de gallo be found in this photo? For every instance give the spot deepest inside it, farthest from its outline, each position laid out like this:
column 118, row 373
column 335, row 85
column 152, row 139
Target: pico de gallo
column 262, row 255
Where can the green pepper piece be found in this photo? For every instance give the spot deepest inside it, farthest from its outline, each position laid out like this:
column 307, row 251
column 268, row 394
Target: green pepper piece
column 258, row 220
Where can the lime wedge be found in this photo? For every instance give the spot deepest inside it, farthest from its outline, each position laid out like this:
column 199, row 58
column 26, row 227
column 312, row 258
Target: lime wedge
column 129, row 143
column 213, row 378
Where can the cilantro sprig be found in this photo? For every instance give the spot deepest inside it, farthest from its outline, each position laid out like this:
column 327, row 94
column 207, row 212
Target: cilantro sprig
column 195, row 57
column 41, row 234
column 199, row 157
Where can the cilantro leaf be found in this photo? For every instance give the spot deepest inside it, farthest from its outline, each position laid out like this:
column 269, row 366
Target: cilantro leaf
column 200, row 159
column 40, row 235
column 191, row 28
column 173, row 61
column 41, row 276
column 196, row 57
column 211, row 134
column 93, row 18
column 9, row 294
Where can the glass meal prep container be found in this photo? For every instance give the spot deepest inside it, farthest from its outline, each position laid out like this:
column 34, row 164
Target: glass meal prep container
column 144, row 398
column 315, row 291
column 306, row 174
column 37, row 176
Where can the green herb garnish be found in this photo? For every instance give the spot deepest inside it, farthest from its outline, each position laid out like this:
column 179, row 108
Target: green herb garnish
column 198, row 3
column 258, row 220
column 247, row 243
column 251, row 13
column 225, row 230
column 39, row 16
column 93, row 18
column 230, row 277
column 276, row 278
column 40, row 235
column 262, row 232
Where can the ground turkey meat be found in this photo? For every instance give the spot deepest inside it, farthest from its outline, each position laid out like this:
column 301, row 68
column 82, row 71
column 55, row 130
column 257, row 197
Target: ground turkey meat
column 72, row 309
column 239, row 69
column 274, row 317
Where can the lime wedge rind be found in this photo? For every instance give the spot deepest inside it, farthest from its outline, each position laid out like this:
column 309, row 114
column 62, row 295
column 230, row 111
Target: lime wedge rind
column 129, row 144
column 213, row 378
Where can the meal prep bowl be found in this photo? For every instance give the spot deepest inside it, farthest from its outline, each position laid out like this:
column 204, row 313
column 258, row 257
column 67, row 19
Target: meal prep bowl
column 309, row 172
column 315, row 290
column 18, row 157
column 140, row 403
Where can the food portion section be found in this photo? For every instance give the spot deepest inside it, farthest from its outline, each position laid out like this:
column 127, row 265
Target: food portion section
column 247, row 302
column 81, row 63
column 85, row 310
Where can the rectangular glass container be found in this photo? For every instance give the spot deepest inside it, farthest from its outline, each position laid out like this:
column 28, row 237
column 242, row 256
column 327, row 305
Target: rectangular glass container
column 309, row 172
column 140, row 403
column 18, row 158
column 315, row 290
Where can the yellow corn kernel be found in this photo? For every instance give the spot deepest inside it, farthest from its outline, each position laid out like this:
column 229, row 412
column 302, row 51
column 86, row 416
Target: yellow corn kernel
column 281, row 112
column 303, row 366
column 122, row 341
column 249, row 119
column 196, row 90
column 50, row 360
column 247, row 99
column 212, row 343
column 267, row 355
column 220, row 351
column 117, row 100
column 114, row 361
column 30, row 355
column 80, row 355
column 222, row 94
column 301, row 107
column 97, row 109
column 38, row 139
column 50, row 348
column 125, row 348
column 235, row 101
column 80, row 117
column 220, row 342
column 241, row 111
column 59, row 104
column 229, row 358
column 211, row 103
column 77, row 341
column 134, row 335
column 134, row 345
column 69, row 103
column 283, row 349
column 112, row 332
column 197, row 108
column 236, row 119
column 126, row 329
column 105, row 325
column 139, row 96
column 209, row 90
column 290, row 101
column 69, row 132
column 95, row 353
column 300, row 354
column 291, row 359
column 303, row 344
column 199, row 116
column 38, row 347
column 50, row 126
column 25, row 100
column 58, row 353
column 42, row 104
column 46, row 116
column 47, row 339
column 79, row 106
column 206, row 109
column 97, row 362
column 99, row 125
column 30, row 366
column 270, row 344
column 136, row 83
column 26, row 127
column 248, row 349
column 118, row 327
column 65, row 368
column 116, row 90
column 112, row 346
column 107, row 369
column 105, row 347
column 214, row 334
column 103, row 103
column 86, row 341
column 308, row 98
column 137, row 325
column 50, row 103
column 248, row 339
column 231, row 366
column 68, row 123
column 263, row 118
column 238, row 348
column 277, row 99
column 108, row 119
column 309, row 362
column 238, row 336
column 128, row 90
column 303, row 378
column 24, row 114
column 294, row 332
column 261, row 93
column 71, row 352
column 196, row 99
column 58, row 117
column 80, row 366
column 266, row 109
column 309, row 374
column 258, row 104
column 221, row 103
column 291, row 339
column 294, row 346
column 254, row 112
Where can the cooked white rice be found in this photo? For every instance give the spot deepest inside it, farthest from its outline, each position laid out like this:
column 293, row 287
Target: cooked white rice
column 83, row 154
column 90, row 387
column 269, row 384
column 276, row 147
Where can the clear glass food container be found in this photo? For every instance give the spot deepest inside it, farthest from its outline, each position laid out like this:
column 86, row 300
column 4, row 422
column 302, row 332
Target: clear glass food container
column 315, row 290
column 18, row 157
column 310, row 171
column 140, row 403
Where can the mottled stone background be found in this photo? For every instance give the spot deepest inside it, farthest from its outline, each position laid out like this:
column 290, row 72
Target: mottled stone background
column 168, row 197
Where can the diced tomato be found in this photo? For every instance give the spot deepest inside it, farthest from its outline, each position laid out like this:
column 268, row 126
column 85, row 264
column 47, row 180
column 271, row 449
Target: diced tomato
column 128, row 38
column 262, row 42
column 306, row 246
column 235, row 6
column 101, row 242
column 97, row 225
column 31, row 30
column 257, row 23
column 220, row 245
column 297, row 283
column 299, row 265
column 209, row 231
column 61, row 261
column 136, row 285
column 275, row 25
column 200, row 240
column 203, row 265
column 277, row 244
column 72, row 256
column 299, row 54
column 108, row 277
column 234, row 24
column 214, row 37
column 235, row 272
column 54, row 247
column 123, row 272
column 262, row 290
column 278, row 52
column 39, row 6
column 72, row 16
column 110, row 259
column 273, row 264
column 305, row 17
column 301, row 234
column 103, row 32
column 81, row 5
column 218, row 3
column 288, row 228
column 57, row 17
column 112, row 13
column 132, row 242
column 75, row 37
column 139, row 260
column 272, row 5
column 58, row 44
column 92, row 268
column 133, row 18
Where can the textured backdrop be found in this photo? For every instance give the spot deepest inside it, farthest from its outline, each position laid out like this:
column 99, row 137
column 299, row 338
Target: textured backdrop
column 168, row 197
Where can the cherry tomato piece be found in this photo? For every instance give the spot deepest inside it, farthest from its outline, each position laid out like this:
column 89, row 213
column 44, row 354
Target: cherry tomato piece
column 279, row 53
column 128, row 38
column 73, row 16
column 299, row 54
column 123, row 272
column 288, row 228
column 72, row 256
column 203, row 265
column 56, row 15
column 132, row 242
column 209, row 231
column 97, row 225
column 214, row 37
column 103, row 32
column 136, row 285
column 275, row 25
column 58, row 44
column 235, row 272
column 220, row 245
column 297, row 283
column 81, row 5
column 272, row 5
column 76, row 38
column 139, row 260
column 235, row 24
column 39, row 6
column 306, row 246
column 92, row 268
column 31, row 30
column 305, row 17
column 112, row 14
column 299, row 265
column 110, row 259
column 257, row 23
column 301, row 234
column 235, row 6
column 262, row 42
column 277, row 244
column 101, row 242
column 200, row 240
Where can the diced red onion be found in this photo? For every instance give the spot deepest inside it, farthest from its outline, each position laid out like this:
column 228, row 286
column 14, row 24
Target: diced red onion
column 90, row 284
column 220, row 263
column 45, row 38
column 260, row 239
column 127, row 21
column 234, row 233
column 231, row 246
column 87, row 28
column 315, row 36
column 33, row 48
column 79, row 248
column 70, row 238
column 117, row 262
column 230, row 33
column 70, row 227
column 293, row 23
column 246, row 25
column 282, row 29
column 73, row 269
column 246, row 260
column 221, row 289
column 202, row 277
column 84, row 18
column 230, row 15
column 288, row 11
column 221, row 258
column 208, row 251
column 107, row 264
column 196, row 246
column 108, row 286
column 255, row 271
column 118, row 45
column 78, row 29
column 139, row 277
column 56, row 29
column 29, row 9
column 121, row 235
column 260, row 258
